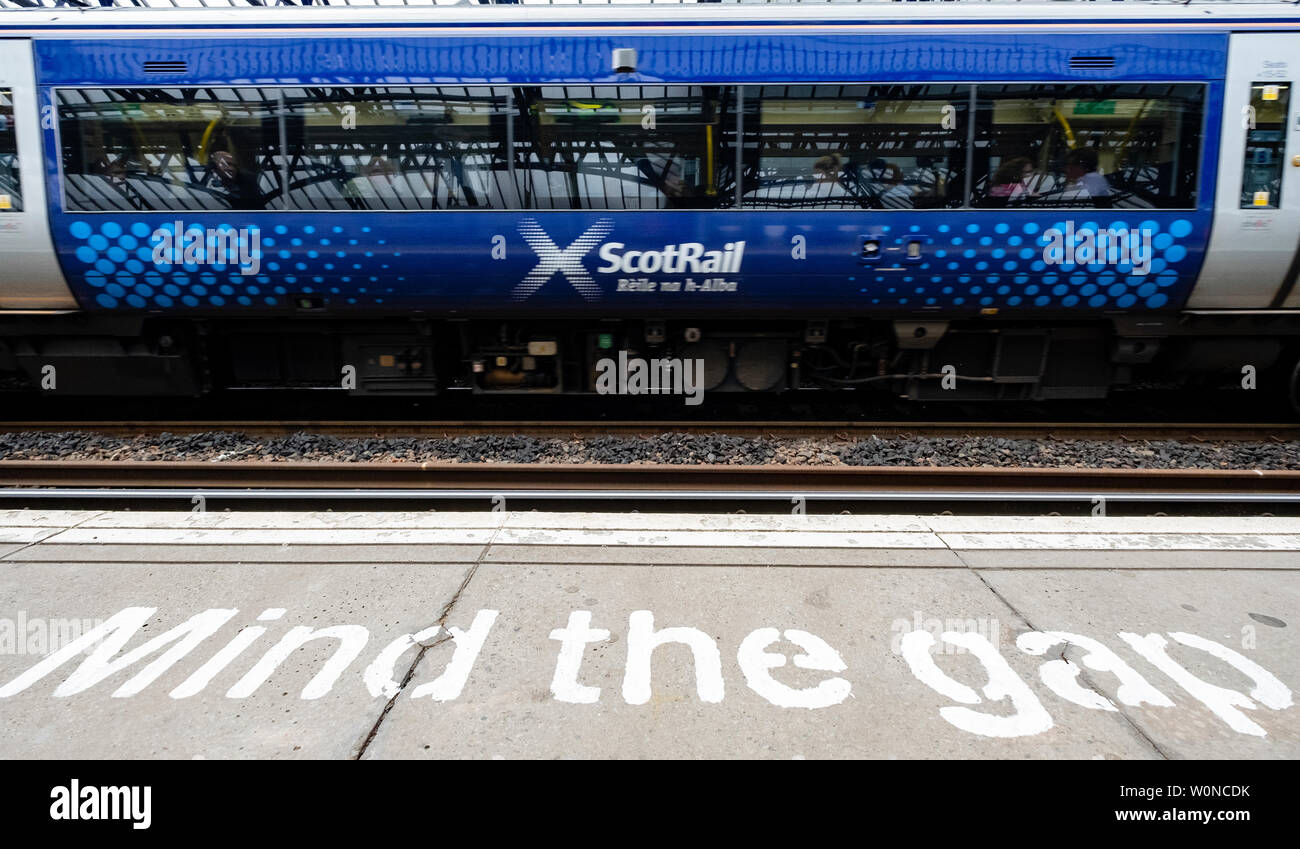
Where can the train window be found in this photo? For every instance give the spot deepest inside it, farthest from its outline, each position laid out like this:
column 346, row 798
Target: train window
column 398, row 148
column 170, row 149
column 855, row 146
column 531, row 147
column 1132, row 146
column 623, row 147
column 11, row 196
column 1261, row 181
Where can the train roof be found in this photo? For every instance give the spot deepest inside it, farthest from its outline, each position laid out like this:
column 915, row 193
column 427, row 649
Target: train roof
column 45, row 15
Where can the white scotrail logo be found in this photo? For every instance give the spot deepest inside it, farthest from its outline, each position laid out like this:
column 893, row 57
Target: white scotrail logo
column 89, row 802
column 225, row 245
column 684, row 257
column 1104, row 247
column 568, row 261
column 673, row 259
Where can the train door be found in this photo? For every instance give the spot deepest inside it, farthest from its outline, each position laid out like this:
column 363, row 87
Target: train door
column 30, row 278
column 1252, row 261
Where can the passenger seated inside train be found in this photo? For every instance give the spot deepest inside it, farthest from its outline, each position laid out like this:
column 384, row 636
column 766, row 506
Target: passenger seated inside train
column 892, row 192
column 239, row 183
column 1013, row 183
column 932, row 181
column 1085, row 180
column 829, row 169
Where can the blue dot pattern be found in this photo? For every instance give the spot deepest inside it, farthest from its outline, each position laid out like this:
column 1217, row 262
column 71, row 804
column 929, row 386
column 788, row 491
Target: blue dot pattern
column 133, row 265
column 970, row 261
column 1008, row 264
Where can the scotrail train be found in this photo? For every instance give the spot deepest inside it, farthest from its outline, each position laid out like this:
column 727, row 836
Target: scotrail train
column 1035, row 201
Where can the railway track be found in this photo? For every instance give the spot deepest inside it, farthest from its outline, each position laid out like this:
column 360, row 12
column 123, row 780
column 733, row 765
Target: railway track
column 448, row 481
column 1277, row 432
column 460, row 482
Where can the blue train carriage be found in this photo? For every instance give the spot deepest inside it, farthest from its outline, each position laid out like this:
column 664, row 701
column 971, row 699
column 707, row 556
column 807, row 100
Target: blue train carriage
column 999, row 201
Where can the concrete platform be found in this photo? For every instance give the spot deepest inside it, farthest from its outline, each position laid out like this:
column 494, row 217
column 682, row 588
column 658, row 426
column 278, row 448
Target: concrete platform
column 545, row 635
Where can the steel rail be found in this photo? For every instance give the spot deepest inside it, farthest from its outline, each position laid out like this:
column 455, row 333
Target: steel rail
column 298, row 495
column 1124, row 431
column 21, row 479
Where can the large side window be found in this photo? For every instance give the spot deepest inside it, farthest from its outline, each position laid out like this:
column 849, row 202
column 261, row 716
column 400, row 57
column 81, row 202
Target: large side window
column 1131, row 146
column 170, row 149
column 624, row 147
column 527, row 147
column 643, row 147
column 11, row 195
column 1261, row 182
column 398, row 148
column 855, row 146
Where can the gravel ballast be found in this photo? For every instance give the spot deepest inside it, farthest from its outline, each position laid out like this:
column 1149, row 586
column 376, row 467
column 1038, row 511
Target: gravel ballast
column 664, row 448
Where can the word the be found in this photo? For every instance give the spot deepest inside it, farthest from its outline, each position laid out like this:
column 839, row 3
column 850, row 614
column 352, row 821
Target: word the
column 75, row 802
column 689, row 257
column 636, row 376
column 1104, row 247
column 196, row 245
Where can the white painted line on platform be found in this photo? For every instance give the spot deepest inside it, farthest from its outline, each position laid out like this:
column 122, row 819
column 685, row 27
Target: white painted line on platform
column 235, row 536
column 717, row 539
column 26, row 534
column 719, row 522
column 487, row 519
column 1116, row 524
column 659, row 530
column 1045, row 533
column 478, row 536
column 1125, row 542
column 556, row 521
column 45, row 518
column 301, row 521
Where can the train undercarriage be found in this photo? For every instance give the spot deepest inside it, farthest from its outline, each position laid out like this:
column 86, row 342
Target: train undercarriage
column 915, row 359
